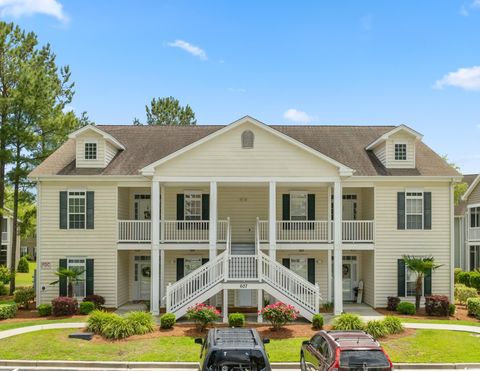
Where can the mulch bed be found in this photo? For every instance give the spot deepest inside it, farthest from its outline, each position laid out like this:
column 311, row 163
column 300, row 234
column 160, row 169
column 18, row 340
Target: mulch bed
column 461, row 314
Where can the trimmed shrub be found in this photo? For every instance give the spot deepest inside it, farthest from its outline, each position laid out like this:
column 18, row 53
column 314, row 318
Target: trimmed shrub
column 473, row 306
column 5, row 275
column 470, row 279
column 8, row 310
column 406, row 308
column 23, row 265
column 392, row 303
column 456, row 272
column 376, row 328
column 328, row 306
column 117, row 327
column 202, row 315
column 97, row 300
column 167, row 321
column 64, row 306
column 279, row 314
column 97, row 320
column 393, row 325
column 317, row 321
column 44, row 310
column 451, row 309
column 436, row 305
column 348, row 321
column 462, row 293
column 236, row 320
column 24, row 296
column 3, row 289
column 142, row 322
column 86, row 307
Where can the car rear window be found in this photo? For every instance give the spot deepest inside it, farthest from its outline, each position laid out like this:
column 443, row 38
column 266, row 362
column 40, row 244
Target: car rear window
column 236, row 360
column 363, row 360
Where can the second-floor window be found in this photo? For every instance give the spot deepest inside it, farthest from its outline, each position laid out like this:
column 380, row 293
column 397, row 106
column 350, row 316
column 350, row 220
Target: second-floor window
column 76, row 210
column 90, row 151
column 193, row 206
column 414, row 210
column 400, row 151
column 475, row 217
column 298, row 206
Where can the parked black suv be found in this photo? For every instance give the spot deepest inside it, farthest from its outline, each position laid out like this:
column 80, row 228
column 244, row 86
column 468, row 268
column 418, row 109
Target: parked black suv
column 233, row 349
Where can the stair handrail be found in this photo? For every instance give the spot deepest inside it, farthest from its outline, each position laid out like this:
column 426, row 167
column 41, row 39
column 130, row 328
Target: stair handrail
column 257, row 248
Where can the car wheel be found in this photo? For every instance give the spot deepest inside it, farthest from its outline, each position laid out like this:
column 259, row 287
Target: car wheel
column 303, row 364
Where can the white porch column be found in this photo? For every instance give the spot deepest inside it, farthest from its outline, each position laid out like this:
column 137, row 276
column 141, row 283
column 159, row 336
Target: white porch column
column 162, row 213
column 212, row 231
column 225, row 306
column 162, row 276
column 272, row 219
column 337, row 248
column 259, row 305
column 155, row 255
column 329, row 276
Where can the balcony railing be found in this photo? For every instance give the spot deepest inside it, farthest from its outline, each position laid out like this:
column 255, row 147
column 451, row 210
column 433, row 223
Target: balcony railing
column 140, row 231
column 474, row 234
column 317, row 231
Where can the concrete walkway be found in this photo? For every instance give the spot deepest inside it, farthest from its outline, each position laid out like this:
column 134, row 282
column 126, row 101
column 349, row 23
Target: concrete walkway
column 366, row 312
column 49, row 326
column 441, row 326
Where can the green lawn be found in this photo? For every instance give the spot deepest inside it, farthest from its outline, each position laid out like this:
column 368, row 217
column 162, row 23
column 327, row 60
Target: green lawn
column 442, row 321
column 25, row 279
column 10, row 325
column 425, row 346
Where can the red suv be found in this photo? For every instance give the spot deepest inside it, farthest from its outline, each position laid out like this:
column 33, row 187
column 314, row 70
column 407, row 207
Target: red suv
column 343, row 350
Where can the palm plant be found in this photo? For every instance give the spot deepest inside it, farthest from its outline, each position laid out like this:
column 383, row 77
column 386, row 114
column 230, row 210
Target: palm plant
column 421, row 266
column 72, row 275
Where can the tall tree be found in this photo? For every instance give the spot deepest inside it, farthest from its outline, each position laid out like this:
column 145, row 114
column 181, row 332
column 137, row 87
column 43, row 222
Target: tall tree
column 168, row 111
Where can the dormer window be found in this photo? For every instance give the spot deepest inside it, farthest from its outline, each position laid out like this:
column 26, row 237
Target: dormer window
column 90, row 151
column 247, row 139
column 400, row 151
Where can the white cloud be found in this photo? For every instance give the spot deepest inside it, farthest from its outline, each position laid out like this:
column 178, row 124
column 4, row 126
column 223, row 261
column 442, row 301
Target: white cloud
column 189, row 48
column 476, row 4
column 19, row 8
column 464, row 78
column 295, row 115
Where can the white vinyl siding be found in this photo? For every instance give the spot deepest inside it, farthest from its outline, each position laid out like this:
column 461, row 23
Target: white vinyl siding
column 381, row 153
column 400, row 138
column 104, row 151
column 123, row 278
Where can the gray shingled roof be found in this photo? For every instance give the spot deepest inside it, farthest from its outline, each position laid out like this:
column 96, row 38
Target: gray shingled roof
column 147, row 144
column 462, row 205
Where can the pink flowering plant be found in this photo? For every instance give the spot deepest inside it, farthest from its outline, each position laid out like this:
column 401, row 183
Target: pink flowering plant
column 203, row 315
column 279, row 314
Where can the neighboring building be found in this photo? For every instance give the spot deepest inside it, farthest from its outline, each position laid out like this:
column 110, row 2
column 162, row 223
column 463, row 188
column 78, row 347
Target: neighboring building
column 7, row 240
column 28, row 247
column 467, row 226
column 238, row 213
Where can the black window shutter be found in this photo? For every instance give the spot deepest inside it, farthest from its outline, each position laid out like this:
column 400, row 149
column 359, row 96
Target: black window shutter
column 286, row 263
column 180, row 206
column 427, row 283
column 62, row 283
column 400, row 277
column 89, row 277
column 311, row 270
column 427, row 210
column 180, row 268
column 401, row 210
column 63, row 210
column 205, row 206
column 311, row 206
column 204, row 261
column 90, row 209
column 286, row 206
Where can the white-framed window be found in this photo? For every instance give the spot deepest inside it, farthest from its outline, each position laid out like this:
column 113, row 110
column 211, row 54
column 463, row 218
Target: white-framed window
column 90, row 151
column 78, row 264
column 298, row 206
column 410, row 282
column 299, row 265
column 474, row 257
column 191, row 263
column 400, row 151
column 475, row 217
column 193, row 205
column 414, row 210
column 76, row 209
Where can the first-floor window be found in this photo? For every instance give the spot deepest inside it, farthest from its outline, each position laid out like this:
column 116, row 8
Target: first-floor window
column 298, row 206
column 193, row 206
column 78, row 264
column 410, row 282
column 3, row 254
column 191, row 264
column 474, row 257
column 76, row 210
column 414, row 210
column 299, row 266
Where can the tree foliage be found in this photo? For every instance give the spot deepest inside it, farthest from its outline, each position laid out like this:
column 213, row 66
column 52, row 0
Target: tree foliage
column 168, row 111
column 459, row 188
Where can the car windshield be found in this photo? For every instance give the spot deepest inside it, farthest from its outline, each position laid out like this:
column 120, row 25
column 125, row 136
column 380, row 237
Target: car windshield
column 236, row 360
column 363, row 360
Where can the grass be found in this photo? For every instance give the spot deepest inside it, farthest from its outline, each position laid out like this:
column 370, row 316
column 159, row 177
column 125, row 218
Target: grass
column 432, row 346
column 25, row 279
column 442, row 321
column 27, row 322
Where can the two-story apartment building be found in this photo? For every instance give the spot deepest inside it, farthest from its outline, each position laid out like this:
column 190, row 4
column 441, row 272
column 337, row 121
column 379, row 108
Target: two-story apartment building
column 467, row 226
column 7, row 240
column 244, row 213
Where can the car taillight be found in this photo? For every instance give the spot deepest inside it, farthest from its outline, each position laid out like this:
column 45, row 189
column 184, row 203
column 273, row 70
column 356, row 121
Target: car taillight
column 336, row 364
column 388, row 358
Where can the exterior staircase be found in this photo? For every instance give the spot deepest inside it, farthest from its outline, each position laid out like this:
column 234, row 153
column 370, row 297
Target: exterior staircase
column 248, row 266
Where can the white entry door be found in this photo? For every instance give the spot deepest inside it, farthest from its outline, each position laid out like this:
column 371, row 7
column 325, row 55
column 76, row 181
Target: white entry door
column 349, row 207
column 244, row 298
column 142, row 277
column 349, row 273
column 141, row 207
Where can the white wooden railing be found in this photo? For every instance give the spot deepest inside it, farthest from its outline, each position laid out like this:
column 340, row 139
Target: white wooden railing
column 357, row 230
column 262, row 228
column 474, row 234
column 242, row 268
column 175, row 230
column 303, row 231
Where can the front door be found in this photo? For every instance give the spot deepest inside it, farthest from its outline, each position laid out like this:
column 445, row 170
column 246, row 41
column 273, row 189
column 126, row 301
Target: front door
column 349, row 207
column 141, row 207
column 349, row 272
column 142, row 276
column 244, row 298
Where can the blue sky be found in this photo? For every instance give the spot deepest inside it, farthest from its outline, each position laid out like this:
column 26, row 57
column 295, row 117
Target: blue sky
column 303, row 62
